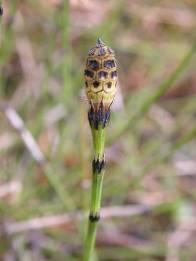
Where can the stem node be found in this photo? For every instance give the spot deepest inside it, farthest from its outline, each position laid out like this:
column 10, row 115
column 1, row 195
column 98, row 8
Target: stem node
column 94, row 217
column 98, row 166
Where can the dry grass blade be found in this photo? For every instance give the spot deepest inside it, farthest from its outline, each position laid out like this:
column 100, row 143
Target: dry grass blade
column 26, row 136
column 58, row 220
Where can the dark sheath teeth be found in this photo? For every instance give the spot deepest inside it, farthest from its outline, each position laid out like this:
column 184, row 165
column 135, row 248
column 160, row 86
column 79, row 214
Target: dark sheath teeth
column 1, row 10
column 98, row 117
column 98, row 166
column 94, row 217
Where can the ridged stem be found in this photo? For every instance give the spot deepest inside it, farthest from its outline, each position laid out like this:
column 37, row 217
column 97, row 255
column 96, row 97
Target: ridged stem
column 96, row 190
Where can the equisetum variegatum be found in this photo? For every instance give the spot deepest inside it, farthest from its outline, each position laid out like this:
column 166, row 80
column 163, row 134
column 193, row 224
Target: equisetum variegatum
column 100, row 86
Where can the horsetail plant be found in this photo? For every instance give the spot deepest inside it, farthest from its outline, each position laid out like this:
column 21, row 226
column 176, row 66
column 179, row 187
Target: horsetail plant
column 100, row 85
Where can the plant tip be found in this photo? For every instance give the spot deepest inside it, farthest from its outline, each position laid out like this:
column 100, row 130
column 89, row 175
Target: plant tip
column 100, row 42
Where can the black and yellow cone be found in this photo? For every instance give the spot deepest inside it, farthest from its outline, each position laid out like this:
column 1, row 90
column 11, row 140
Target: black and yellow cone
column 100, row 83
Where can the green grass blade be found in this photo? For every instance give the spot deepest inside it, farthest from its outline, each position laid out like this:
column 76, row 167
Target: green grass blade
column 162, row 89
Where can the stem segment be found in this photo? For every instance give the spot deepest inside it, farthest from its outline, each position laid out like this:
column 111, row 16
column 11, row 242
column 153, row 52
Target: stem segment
column 98, row 165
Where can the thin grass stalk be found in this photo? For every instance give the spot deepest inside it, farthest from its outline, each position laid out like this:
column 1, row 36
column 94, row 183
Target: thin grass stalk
column 181, row 141
column 156, row 94
column 100, row 92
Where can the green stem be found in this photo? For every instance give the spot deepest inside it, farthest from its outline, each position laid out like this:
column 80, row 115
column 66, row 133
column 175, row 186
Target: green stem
column 96, row 191
column 98, row 142
column 90, row 241
column 97, row 184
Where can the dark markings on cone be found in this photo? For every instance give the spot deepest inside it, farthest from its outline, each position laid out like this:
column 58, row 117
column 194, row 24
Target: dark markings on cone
column 88, row 73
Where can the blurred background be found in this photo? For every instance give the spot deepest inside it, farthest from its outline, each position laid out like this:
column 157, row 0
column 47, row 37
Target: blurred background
column 45, row 142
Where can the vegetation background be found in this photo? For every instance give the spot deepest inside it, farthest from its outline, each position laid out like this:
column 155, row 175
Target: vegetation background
column 45, row 142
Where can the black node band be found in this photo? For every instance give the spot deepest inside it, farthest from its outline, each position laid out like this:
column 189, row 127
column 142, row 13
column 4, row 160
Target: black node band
column 94, row 217
column 98, row 166
column 1, row 10
column 98, row 117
